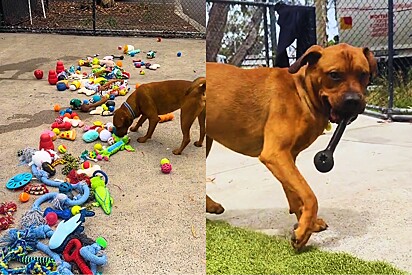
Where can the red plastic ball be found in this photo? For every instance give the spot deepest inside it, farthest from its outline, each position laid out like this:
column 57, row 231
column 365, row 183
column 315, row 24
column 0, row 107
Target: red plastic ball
column 166, row 168
column 51, row 218
column 38, row 74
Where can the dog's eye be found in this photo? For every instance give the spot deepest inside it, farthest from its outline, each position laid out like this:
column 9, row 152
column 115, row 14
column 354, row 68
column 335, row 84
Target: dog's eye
column 335, row 75
column 364, row 75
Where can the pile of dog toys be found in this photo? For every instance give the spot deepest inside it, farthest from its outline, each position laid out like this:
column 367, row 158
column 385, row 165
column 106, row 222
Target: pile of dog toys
column 67, row 247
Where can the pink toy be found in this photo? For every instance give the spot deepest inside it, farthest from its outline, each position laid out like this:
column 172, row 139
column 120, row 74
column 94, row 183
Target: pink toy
column 46, row 142
column 166, row 168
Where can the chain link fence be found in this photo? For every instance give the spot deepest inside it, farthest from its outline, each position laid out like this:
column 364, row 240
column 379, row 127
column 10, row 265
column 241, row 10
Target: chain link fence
column 273, row 34
column 253, row 34
column 168, row 18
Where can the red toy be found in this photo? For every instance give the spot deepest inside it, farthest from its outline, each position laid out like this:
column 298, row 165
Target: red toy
column 59, row 67
column 72, row 254
column 7, row 209
column 38, row 74
column 52, row 77
column 166, row 168
column 46, row 142
column 65, row 126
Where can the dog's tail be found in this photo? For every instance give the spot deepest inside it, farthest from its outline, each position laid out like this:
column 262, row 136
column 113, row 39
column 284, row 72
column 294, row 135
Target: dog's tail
column 198, row 86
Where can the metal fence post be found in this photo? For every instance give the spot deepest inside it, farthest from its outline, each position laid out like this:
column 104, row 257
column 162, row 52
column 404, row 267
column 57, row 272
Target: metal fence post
column 266, row 29
column 390, row 57
column 94, row 17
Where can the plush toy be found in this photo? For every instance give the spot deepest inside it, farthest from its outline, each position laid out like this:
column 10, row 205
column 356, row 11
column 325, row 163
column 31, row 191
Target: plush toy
column 104, row 135
column 90, row 136
column 43, row 156
column 70, row 135
column 101, row 192
column 166, row 117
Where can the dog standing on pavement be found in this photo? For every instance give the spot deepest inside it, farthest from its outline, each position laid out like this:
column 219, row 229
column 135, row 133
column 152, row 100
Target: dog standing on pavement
column 157, row 98
column 275, row 113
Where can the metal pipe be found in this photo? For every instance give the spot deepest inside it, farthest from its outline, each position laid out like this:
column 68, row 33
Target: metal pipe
column 266, row 30
column 375, row 114
column 401, row 118
column 390, row 55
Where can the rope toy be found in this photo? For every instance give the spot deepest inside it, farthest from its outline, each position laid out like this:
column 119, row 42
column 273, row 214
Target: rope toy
column 7, row 209
column 18, row 243
column 94, row 254
column 36, row 189
column 58, row 200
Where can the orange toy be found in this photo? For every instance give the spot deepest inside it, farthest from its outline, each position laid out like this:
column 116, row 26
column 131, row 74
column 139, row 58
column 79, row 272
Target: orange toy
column 24, row 197
column 70, row 135
column 166, row 117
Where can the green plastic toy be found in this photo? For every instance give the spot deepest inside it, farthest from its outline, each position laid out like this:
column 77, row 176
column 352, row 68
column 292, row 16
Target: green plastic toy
column 119, row 145
column 101, row 192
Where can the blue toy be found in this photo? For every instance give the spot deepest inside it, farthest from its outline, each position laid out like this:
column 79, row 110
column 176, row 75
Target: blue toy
column 19, row 180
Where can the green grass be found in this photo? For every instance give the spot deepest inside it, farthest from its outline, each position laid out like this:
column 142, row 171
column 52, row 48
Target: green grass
column 231, row 250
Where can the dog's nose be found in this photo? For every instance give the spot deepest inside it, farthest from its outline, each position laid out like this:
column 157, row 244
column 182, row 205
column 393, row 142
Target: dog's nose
column 352, row 102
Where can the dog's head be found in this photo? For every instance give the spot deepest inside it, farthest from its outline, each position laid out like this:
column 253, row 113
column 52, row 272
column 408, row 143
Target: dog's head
column 123, row 119
column 338, row 75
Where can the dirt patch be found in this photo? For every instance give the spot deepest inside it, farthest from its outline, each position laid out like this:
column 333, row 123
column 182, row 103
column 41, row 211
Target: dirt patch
column 123, row 16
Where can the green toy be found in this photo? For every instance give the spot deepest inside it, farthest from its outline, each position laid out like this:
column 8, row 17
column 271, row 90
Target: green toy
column 101, row 192
column 119, row 145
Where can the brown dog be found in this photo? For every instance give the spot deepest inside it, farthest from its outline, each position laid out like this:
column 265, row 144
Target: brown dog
column 157, row 98
column 274, row 114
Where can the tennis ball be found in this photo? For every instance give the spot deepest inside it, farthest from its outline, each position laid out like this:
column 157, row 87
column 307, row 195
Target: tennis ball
column 76, row 209
column 164, row 160
column 98, row 147
column 101, row 241
column 329, row 126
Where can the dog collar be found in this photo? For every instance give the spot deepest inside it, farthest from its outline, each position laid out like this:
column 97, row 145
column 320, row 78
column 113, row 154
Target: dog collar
column 130, row 109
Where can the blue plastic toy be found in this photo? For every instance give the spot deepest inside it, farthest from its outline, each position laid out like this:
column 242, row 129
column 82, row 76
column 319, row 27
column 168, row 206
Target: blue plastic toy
column 19, row 180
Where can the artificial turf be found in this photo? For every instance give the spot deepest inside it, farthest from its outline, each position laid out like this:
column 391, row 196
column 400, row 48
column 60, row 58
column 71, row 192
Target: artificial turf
column 232, row 250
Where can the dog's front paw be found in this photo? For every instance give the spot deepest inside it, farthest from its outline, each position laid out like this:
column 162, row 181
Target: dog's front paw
column 142, row 139
column 177, row 152
column 197, row 144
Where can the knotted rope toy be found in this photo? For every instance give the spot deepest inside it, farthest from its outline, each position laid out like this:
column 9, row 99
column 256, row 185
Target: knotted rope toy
column 59, row 201
column 7, row 209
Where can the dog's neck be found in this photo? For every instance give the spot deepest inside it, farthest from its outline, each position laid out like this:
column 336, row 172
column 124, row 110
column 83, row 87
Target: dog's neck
column 130, row 106
column 314, row 101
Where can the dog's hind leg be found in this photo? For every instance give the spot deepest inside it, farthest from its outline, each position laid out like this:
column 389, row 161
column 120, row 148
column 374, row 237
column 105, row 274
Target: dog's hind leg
column 202, row 124
column 185, row 123
column 209, row 142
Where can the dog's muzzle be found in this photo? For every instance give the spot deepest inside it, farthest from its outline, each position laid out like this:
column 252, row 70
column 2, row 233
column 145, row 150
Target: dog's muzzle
column 352, row 103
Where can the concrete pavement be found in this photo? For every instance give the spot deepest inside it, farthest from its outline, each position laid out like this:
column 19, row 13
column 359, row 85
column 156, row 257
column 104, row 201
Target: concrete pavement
column 366, row 198
column 157, row 225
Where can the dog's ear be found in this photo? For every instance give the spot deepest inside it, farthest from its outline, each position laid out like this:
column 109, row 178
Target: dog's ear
column 373, row 65
column 311, row 56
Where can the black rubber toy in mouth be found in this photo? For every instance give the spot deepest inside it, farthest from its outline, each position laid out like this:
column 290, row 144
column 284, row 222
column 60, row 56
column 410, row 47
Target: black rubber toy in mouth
column 324, row 159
